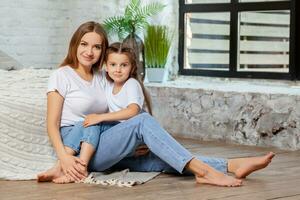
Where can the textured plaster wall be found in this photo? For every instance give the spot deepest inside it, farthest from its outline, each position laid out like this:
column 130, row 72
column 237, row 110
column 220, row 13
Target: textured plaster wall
column 251, row 118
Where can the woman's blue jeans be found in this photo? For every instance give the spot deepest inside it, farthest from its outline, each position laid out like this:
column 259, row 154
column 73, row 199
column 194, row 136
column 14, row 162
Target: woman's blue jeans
column 117, row 143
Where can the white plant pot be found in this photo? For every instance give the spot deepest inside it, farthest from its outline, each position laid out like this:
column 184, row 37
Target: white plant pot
column 156, row 74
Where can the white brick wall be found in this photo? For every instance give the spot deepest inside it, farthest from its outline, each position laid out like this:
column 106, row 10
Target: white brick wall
column 36, row 33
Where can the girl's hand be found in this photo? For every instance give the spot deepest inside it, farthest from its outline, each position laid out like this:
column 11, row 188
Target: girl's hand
column 74, row 167
column 91, row 120
column 141, row 150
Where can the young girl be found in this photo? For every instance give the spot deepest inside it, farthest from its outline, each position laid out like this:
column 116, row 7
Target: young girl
column 125, row 94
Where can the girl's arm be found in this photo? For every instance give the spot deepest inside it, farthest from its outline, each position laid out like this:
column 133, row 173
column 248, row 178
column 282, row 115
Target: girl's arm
column 69, row 163
column 124, row 114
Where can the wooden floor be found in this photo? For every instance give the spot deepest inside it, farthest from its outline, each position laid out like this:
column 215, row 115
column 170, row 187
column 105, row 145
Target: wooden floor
column 281, row 180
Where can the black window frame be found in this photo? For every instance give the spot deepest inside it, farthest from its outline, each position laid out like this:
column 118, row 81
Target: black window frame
column 234, row 7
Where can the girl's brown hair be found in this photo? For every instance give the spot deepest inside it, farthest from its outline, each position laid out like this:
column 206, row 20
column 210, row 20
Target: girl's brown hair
column 122, row 48
column 71, row 58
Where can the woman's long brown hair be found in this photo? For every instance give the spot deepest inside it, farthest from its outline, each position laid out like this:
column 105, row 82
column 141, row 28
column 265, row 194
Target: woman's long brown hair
column 122, row 48
column 71, row 58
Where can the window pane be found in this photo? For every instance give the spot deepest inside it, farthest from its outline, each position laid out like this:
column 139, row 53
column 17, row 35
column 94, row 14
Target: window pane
column 206, row 1
column 207, row 41
column 260, row 0
column 264, row 41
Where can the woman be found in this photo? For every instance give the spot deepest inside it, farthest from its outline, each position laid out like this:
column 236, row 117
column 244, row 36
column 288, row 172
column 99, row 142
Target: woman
column 74, row 93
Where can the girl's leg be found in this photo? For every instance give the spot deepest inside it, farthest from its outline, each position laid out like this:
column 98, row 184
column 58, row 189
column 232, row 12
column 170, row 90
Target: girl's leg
column 87, row 150
column 89, row 142
column 120, row 140
column 54, row 172
column 72, row 136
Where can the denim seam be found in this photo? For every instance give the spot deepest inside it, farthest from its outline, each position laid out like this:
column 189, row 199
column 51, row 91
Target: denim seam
column 72, row 147
column 82, row 140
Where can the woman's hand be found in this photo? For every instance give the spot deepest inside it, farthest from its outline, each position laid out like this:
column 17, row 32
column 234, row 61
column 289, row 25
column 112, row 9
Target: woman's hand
column 73, row 166
column 92, row 119
column 141, row 150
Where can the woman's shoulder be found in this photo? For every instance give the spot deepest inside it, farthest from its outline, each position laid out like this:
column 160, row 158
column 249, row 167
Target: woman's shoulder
column 62, row 74
column 62, row 70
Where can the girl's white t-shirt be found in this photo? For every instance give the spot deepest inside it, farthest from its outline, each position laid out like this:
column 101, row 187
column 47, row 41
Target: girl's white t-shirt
column 81, row 97
column 131, row 92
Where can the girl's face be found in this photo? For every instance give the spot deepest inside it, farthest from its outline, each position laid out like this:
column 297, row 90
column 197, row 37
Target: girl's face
column 89, row 49
column 118, row 67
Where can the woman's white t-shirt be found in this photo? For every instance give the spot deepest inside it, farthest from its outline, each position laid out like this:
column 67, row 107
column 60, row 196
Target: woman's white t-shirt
column 81, row 97
column 131, row 92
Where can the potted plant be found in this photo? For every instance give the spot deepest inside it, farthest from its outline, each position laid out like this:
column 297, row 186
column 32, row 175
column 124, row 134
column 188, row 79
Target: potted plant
column 157, row 46
column 134, row 20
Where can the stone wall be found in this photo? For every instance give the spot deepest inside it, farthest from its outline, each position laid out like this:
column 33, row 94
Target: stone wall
column 36, row 33
column 250, row 118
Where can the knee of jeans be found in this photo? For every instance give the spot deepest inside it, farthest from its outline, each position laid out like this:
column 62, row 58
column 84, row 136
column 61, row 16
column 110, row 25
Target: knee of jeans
column 143, row 116
column 91, row 130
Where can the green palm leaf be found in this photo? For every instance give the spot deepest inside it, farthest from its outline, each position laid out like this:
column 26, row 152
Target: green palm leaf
column 134, row 20
column 132, row 7
column 149, row 10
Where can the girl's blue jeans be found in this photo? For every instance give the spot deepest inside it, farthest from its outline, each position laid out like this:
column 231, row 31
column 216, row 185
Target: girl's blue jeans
column 115, row 144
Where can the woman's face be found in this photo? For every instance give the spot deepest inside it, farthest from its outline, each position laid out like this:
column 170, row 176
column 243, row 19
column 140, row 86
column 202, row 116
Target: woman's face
column 89, row 49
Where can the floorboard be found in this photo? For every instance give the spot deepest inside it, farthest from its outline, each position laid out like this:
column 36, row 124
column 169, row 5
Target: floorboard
column 281, row 180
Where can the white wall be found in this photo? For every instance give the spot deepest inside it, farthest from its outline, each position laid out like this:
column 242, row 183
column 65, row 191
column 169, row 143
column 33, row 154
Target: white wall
column 36, row 33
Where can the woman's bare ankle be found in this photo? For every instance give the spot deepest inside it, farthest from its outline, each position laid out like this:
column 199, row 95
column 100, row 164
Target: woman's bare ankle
column 219, row 179
column 197, row 167
column 205, row 174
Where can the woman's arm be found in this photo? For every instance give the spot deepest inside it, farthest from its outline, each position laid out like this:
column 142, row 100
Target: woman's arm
column 54, row 110
column 69, row 163
column 124, row 114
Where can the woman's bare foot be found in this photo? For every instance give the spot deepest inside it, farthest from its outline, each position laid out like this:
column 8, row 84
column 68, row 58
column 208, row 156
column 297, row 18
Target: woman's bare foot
column 208, row 175
column 217, row 178
column 50, row 174
column 242, row 167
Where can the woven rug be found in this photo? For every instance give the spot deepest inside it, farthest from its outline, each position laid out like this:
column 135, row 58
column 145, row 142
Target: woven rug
column 122, row 178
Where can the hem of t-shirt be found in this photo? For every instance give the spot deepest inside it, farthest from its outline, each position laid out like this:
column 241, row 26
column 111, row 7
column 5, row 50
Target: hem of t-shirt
column 54, row 90
column 131, row 102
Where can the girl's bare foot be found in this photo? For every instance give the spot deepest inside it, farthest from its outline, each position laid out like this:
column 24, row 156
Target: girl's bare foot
column 50, row 174
column 245, row 166
column 63, row 179
column 218, row 179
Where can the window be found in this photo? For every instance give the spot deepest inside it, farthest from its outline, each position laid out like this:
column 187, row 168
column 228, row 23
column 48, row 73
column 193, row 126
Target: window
column 238, row 38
